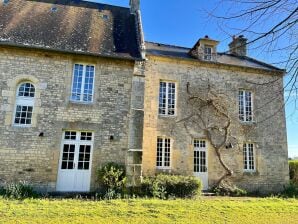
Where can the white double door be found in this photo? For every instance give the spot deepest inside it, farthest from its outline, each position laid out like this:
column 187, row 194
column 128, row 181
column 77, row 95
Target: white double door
column 74, row 173
column 201, row 162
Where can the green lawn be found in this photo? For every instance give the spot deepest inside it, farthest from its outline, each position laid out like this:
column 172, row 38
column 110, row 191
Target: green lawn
column 203, row 210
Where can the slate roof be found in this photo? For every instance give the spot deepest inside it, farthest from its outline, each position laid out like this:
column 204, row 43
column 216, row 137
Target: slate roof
column 72, row 26
column 171, row 51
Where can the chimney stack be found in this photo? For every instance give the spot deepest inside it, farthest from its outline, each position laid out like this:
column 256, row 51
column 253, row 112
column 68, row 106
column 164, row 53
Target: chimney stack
column 238, row 46
column 134, row 6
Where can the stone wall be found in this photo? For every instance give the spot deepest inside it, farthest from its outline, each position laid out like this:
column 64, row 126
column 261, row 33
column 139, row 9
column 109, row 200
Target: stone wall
column 267, row 132
column 27, row 156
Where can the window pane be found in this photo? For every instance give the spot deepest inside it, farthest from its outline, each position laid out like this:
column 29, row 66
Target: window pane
column 248, row 157
column 23, row 115
column 70, row 135
column 26, row 90
column 88, row 88
column 167, row 98
column 162, row 98
column 87, row 136
column 163, row 152
column 68, row 157
column 77, row 82
column 83, row 80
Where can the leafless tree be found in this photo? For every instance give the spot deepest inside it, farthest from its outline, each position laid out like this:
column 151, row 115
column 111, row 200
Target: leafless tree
column 272, row 29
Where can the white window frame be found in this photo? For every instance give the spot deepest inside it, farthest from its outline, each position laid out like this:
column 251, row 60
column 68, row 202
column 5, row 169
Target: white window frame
column 244, row 109
column 247, row 167
column 200, row 145
column 166, row 108
column 83, row 84
column 207, row 56
column 24, row 101
column 77, row 142
column 163, row 153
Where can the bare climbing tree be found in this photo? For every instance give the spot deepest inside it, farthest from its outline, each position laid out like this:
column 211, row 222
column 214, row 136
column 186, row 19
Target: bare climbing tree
column 272, row 29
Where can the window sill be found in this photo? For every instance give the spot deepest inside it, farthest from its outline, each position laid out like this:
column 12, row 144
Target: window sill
column 81, row 102
column 21, row 126
column 250, row 173
column 166, row 116
column 160, row 168
column 248, row 123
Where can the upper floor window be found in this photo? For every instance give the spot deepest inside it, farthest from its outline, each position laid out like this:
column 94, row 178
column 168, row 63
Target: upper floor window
column 24, row 104
column 207, row 52
column 83, row 83
column 245, row 106
column 163, row 156
column 249, row 157
column 167, row 98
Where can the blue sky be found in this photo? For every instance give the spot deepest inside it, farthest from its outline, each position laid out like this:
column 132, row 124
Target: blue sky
column 183, row 22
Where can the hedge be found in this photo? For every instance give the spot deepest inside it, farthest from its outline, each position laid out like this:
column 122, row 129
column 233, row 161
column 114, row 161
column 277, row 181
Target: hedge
column 164, row 186
column 293, row 166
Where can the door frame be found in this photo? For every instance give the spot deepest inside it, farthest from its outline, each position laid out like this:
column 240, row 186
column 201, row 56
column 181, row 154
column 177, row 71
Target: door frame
column 196, row 174
column 77, row 146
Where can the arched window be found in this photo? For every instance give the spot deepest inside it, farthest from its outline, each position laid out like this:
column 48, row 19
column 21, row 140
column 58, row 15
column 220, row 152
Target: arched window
column 24, row 104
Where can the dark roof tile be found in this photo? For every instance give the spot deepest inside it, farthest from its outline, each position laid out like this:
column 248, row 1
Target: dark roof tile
column 73, row 26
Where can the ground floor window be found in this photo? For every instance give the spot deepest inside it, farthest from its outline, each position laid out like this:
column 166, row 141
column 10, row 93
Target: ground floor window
column 163, row 152
column 249, row 157
column 200, row 156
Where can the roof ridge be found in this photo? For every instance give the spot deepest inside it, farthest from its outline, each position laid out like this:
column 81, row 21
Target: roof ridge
column 74, row 3
column 167, row 45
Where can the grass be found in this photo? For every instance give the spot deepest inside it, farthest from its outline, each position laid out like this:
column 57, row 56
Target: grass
column 203, row 210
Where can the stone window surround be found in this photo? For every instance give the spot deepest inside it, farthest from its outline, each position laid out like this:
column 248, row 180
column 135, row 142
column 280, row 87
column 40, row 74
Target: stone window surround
column 11, row 94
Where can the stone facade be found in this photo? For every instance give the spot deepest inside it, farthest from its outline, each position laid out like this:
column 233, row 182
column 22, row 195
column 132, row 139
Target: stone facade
column 125, row 121
column 267, row 132
column 25, row 155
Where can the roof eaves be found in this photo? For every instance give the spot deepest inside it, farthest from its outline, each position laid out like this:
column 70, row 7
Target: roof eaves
column 130, row 58
column 217, row 63
column 255, row 61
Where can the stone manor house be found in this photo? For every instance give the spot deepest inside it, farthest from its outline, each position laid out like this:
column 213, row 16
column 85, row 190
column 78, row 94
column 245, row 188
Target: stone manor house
column 80, row 88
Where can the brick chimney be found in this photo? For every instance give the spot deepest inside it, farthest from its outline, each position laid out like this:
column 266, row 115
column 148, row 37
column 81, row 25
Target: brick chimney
column 134, row 6
column 238, row 46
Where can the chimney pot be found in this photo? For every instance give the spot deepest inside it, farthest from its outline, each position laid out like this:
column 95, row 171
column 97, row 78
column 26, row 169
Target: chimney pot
column 238, row 46
column 134, row 6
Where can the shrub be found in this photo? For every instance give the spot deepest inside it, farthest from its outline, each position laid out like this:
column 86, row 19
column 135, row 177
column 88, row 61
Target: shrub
column 226, row 188
column 111, row 178
column 293, row 167
column 164, row 186
column 290, row 191
column 18, row 190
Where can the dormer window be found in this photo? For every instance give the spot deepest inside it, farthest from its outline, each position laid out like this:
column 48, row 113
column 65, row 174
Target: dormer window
column 207, row 52
column 205, row 49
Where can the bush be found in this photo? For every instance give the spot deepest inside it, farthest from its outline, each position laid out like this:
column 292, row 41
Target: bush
column 111, row 179
column 164, row 186
column 293, row 167
column 19, row 190
column 291, row 191
column 227, row 189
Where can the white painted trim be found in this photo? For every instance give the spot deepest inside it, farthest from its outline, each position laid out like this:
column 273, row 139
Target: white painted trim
column 167, row 98
column 77, row 142
column 247, row 157
column 23, row 101
column 83, row 83
column 163, row 153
